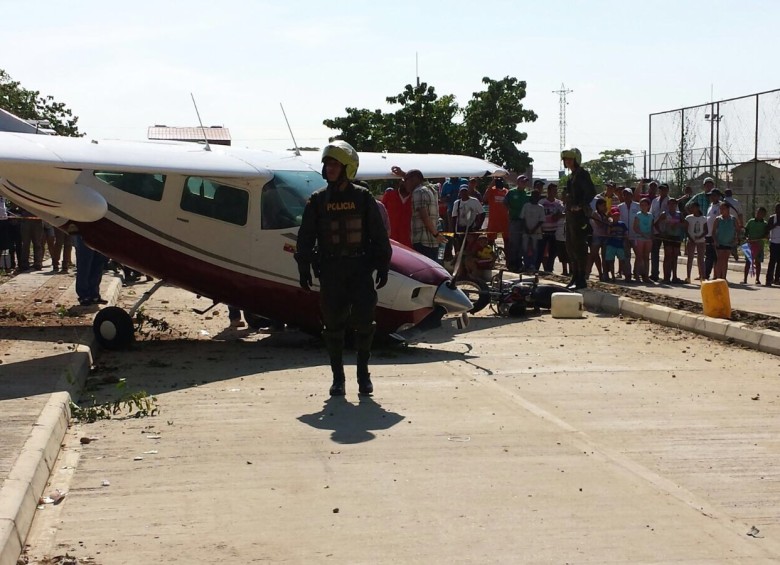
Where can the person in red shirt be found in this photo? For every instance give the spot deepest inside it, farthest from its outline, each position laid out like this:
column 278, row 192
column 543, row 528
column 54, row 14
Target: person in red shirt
column 398, row 202
column 498, row 213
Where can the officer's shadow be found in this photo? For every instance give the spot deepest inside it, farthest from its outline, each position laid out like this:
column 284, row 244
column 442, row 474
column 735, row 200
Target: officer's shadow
column 351, row 423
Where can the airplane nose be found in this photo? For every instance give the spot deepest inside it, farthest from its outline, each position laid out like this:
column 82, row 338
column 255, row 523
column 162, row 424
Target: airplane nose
column 452, row 299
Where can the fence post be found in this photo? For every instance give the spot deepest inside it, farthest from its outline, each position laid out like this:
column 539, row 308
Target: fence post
column 755, row 159
column 681, row 174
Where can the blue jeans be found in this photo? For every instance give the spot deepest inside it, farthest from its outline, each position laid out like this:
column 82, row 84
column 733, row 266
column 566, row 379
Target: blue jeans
column 429, row 252
column 90, row 265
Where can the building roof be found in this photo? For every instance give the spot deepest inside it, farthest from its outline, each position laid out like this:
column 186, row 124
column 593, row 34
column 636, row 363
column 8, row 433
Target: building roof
column 752, row 163
column 213, row 133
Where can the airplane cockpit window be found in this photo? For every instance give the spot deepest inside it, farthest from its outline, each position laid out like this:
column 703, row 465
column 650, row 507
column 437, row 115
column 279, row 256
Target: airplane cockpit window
column 214, row 200
column 145, row 185
column 284, row 197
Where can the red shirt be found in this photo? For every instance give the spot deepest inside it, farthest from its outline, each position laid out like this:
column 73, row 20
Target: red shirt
column 399, row 210
column 498, row 214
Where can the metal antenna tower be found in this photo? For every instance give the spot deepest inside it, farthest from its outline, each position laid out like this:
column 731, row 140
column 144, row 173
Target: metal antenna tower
column 562, row 112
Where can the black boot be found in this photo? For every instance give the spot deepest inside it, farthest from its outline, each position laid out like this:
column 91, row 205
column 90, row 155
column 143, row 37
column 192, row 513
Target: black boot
column 365, row 386
column 364, row 337
column 581, row 283
column 334, row 343
column 574, row 278
column 338, row 388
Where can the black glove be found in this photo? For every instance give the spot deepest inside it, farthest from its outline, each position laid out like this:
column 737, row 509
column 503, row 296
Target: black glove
column 304, row 276
column 381, row 278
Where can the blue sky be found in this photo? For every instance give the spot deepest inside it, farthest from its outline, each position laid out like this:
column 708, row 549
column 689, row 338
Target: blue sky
column 122, row 67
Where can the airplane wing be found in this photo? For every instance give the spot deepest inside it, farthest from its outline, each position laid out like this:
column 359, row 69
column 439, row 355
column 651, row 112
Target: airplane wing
column 128, row 156
column 41, row 172
column 375, row 166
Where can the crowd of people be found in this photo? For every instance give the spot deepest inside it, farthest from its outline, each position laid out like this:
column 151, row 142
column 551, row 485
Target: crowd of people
column 622, row 234
column 25, row 240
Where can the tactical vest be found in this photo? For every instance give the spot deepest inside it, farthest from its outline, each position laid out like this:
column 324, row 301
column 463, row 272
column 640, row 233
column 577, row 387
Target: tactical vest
column 341, row 223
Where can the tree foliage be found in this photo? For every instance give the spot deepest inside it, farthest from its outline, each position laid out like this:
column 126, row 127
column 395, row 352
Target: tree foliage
column 30, row 105
column 490, row 121
column 425, row 122
column 611, row 165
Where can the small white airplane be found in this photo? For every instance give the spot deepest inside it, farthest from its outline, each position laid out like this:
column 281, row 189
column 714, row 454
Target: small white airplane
column 219, row 221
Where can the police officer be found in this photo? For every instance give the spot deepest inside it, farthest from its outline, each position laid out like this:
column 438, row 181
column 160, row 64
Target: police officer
column 342, row 237
column 577, row 197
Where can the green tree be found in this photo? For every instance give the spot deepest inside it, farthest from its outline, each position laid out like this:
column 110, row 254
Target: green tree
column 30, row 105
column 611, row 165
column 424, row 122
column 428, row 123
column 365, row 129
column 491, row 118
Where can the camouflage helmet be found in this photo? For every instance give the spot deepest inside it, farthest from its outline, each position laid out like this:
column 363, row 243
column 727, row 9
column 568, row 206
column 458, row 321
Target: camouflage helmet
column 572, row 153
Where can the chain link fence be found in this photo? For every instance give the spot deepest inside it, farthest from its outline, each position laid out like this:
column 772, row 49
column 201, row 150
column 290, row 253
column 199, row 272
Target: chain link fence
column 734, row 141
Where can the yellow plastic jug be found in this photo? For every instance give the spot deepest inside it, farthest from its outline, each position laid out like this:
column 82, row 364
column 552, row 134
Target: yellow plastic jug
column 715, row 299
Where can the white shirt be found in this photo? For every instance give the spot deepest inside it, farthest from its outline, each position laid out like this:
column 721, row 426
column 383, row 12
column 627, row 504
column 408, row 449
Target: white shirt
column 551, row 207
column 657, row 206
column 466, row 211
column 533, row 215
column 696, row 227
column 3, row 209
column 627, row 216
column 734, row 204
column 774, row 233
column 712, row 212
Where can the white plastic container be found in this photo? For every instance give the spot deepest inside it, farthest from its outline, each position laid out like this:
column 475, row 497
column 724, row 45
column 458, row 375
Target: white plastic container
column 567, row 305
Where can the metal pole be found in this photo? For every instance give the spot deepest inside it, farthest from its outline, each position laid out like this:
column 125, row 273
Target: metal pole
column 712, row 135
column 649, row 160
column 717, row 142
column 755, row 158
column 682, row 147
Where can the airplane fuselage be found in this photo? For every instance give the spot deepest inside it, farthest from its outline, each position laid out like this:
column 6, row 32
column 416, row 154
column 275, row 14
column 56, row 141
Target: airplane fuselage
column 221, row 225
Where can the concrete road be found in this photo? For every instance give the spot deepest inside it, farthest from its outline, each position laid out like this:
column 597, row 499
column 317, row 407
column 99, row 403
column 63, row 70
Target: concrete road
column 599, row 440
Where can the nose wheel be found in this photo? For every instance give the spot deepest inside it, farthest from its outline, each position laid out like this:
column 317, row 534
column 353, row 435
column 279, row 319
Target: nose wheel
column 113, row 328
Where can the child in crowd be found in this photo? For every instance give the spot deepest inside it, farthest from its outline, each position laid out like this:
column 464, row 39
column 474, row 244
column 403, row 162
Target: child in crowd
column 599, row 221
column 643, row 227
column 724, row 236
column 672, row 228
column 756, row 231
column 773, row 270
column 617, row 233
column 480, row 257
column 696, row 224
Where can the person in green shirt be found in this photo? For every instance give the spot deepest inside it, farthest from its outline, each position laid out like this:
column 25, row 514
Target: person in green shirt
column 756, row 231
column 514, row 200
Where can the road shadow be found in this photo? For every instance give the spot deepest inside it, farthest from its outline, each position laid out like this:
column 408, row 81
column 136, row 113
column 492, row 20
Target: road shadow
column 158, row 367
column 351, row 423
column 33, row 377
column 76, row 334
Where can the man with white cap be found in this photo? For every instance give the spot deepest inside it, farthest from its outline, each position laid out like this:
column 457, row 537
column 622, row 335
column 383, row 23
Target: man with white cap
column 702, row 198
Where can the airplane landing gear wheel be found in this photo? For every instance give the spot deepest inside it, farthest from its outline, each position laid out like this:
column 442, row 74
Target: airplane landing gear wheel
column 113, row 328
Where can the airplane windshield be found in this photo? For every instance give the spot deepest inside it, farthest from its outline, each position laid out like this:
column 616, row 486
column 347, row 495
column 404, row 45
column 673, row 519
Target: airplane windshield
column 285, row 196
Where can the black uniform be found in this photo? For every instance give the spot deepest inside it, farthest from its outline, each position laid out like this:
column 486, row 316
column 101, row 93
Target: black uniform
column 343, row 237
column 579, row 194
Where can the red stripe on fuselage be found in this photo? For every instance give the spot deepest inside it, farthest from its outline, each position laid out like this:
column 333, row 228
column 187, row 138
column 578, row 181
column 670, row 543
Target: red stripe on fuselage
column 274, row 300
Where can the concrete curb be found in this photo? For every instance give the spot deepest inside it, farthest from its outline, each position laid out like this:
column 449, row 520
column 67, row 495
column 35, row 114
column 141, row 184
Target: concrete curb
column 28, row 477
column 767, row 341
